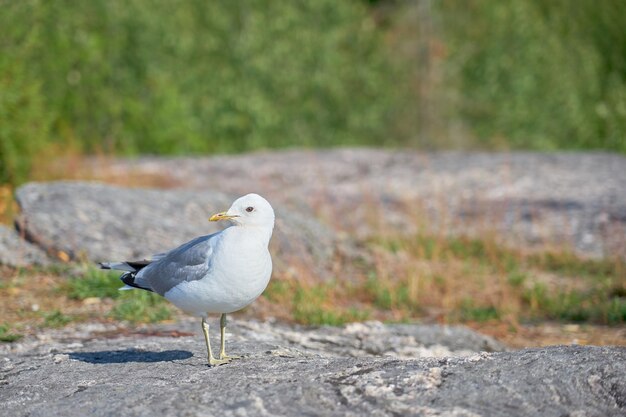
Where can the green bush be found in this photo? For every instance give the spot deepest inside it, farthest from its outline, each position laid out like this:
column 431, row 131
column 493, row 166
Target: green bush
column 189, row 76
column 193, row 76
column 24, row 122
column 539, row 74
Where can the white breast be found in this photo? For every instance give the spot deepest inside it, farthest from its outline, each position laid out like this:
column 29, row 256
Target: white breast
column 240, row 271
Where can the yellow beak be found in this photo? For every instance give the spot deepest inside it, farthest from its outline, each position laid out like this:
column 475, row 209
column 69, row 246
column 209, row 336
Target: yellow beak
column 221, row 216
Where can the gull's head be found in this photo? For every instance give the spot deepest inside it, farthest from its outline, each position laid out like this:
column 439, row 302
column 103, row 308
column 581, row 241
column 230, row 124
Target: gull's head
column 249, row 210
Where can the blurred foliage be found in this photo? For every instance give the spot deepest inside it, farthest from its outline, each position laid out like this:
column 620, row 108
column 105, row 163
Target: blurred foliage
column 56, row 318
column 6, row 335
column 189, row 76
column 192, row 76
column 539, row 74
column 24, row 123
column 94, row 282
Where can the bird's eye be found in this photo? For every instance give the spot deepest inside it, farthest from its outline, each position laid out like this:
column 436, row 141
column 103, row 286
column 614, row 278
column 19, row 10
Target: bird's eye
column 249, row 209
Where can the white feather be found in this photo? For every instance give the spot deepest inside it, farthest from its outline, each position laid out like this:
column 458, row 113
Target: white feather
column 118, row 266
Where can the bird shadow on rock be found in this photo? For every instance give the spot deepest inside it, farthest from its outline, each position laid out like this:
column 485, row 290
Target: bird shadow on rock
column 130, row 355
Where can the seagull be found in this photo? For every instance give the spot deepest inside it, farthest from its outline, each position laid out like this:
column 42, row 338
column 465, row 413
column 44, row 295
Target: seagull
column 218, row 273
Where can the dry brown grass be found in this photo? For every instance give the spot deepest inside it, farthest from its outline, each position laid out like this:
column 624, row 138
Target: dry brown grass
column 96, row 167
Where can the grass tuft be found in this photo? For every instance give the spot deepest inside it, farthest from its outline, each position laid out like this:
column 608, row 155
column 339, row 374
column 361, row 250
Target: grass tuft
column 56, row 318
column 141, row 307
column 590, row 305
column 94, row 282
column 315, row 305
column 389, row 295
column 6, row 335
column 471, row 312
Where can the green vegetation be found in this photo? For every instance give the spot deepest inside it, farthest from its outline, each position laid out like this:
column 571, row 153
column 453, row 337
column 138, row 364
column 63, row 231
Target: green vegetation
column 539, row 74
column 94, row 282
column 230, row 76
column 141, row 307
column 315, row 305
column 547, row 285
column 470, row 312
column 6, row 335
column 134, row 306
column 569, row 264
column 188, row 77
column 388, row 296
column 598, row 304
column 56, row 319
column 486, row 251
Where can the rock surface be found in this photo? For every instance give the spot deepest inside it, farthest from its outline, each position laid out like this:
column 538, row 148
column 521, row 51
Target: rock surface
column 284, row 373
column 17, row 252
column 577, row 199
column 360, row 369
column 322, row 197
column 103, row 223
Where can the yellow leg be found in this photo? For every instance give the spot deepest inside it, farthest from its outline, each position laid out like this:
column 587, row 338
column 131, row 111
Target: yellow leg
column 223, row 354
column 212, row 360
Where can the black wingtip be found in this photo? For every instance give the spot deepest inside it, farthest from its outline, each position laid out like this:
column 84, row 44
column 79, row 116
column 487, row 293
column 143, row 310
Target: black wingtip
column 128, row 278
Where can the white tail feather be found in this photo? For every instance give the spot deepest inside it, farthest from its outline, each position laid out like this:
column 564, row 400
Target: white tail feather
column 118, row 266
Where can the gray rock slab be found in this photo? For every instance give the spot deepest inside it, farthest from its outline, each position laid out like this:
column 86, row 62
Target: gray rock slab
column 572, row 199
column 374, row 339
column 17, row 252
column 102, row 222
column 156, row 375
column 368, row 339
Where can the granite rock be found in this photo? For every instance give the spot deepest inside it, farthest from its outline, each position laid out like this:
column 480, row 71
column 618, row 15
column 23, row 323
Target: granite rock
column 327, row 199
column 102, row 223
column 17, row 252
column 576, row 200
column 154, row 374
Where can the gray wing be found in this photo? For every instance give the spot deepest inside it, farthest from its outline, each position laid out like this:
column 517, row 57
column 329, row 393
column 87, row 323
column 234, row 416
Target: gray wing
column 188, row 262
